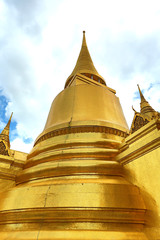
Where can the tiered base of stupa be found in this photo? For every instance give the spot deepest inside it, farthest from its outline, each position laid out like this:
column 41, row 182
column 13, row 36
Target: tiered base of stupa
column 99, row 204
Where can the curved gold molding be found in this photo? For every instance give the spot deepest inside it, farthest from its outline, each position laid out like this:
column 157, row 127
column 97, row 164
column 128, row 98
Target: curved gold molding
column 81, row 129
column 96, row 215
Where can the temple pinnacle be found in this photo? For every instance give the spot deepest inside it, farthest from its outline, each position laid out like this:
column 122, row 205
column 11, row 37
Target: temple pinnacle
column 146, row 109
column 6, row 129
column 84, row 39
column 4, row 139
column 84, row 65
column 141, row 95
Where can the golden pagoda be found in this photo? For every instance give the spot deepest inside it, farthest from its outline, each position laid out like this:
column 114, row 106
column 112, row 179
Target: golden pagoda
column 86, row 176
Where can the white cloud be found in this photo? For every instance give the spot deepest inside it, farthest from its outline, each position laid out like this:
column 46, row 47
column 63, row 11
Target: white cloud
column 19, row 145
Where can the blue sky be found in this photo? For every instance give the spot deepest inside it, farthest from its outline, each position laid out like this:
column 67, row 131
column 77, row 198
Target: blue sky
column 40, row 42
column 4, row 120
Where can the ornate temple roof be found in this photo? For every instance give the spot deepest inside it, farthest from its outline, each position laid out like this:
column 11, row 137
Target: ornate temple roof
column 146, row 114
column 85, row 65
column 146, row 108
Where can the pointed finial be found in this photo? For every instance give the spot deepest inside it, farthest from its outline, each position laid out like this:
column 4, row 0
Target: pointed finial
column 84, row 65
column 141, row 95
column 84, row 39
column 6, row 129
column 4, row 139
column 134, row 109
column 8, row 124
column 145, row 106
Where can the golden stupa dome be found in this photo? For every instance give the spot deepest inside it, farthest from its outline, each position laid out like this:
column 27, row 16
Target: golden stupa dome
column 85, row 101
column 71, row 186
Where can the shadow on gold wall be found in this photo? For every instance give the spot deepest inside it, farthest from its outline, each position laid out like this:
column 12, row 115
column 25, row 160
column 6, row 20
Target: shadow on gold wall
column 152, row 228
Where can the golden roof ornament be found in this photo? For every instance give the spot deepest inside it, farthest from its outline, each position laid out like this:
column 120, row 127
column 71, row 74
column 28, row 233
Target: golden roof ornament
column 4, row 139
column 146, row 109
column 146, row 114
column 84, row 65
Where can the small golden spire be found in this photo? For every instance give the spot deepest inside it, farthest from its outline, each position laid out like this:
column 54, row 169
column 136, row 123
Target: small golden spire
column 146, row 109
column 134, row 109
column 84, row 64
column 84, row 44
column 141, row 95
column 9, row 122
column 4, row 136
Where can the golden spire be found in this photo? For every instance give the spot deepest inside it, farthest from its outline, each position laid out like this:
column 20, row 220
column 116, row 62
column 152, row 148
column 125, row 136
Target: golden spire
column 4, row 136
column 141, row 95
column 85, row 65
column 146, row 109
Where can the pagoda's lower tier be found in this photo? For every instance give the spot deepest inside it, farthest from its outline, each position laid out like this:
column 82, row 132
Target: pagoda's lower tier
column 95, row 204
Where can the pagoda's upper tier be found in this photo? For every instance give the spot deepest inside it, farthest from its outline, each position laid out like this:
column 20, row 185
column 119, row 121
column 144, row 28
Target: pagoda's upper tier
column 86, row 105
column 85, row 65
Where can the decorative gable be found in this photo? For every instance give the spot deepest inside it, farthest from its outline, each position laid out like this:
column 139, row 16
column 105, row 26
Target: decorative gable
column 138, row 122
column 3, row 149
